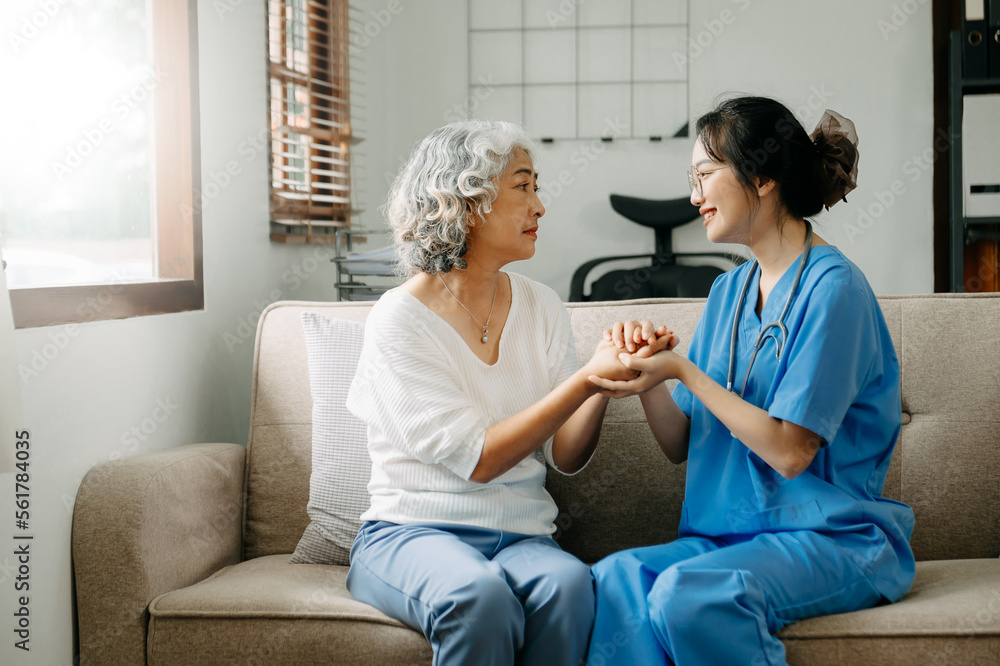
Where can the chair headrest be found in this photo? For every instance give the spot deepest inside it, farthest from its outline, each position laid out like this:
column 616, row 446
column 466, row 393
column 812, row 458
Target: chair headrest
column 655, row 213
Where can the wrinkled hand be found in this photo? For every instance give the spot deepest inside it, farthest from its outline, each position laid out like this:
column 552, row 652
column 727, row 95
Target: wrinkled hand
column 606, row 363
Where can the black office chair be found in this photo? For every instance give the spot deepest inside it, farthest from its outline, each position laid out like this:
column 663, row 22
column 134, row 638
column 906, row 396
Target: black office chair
column 664, row 277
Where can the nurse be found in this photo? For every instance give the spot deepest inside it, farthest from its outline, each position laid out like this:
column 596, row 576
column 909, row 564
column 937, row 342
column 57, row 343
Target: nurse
column 786, row 411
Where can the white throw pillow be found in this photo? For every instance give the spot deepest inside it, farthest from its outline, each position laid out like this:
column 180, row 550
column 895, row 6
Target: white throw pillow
column 341, row 467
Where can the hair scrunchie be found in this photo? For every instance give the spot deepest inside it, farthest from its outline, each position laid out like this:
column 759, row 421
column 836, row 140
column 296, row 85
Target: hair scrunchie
column 836, row 143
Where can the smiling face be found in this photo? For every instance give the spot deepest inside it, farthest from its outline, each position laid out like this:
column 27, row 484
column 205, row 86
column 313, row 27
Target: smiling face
column 723, row 201
column 508, row 232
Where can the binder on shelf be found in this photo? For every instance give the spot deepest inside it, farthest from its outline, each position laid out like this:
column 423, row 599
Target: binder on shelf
column 980, row 156
column 993, row 38
column 975, row 57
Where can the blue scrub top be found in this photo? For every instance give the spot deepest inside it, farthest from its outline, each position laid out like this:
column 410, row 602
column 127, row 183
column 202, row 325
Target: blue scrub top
column 838, row 376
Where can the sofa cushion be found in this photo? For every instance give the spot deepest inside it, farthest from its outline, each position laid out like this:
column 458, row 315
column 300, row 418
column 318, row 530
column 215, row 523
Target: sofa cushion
column 269, row 611
column 951, row 615
column 951, row 447
column 341, row 467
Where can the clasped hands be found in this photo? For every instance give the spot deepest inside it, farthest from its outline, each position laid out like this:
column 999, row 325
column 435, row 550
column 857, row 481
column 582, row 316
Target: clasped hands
column 633, row 357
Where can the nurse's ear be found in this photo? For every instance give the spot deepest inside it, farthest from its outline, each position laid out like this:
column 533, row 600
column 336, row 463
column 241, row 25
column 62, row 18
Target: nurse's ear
column 764, row 186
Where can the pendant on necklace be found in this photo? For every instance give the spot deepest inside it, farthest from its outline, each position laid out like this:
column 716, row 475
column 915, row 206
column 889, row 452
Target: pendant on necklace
column 486, row 338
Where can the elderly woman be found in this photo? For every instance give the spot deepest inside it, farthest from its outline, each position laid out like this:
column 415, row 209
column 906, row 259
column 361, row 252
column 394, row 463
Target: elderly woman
column 469, row 383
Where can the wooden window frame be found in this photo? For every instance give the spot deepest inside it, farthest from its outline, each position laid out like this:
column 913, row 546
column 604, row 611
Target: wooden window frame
column 179, row 286
column 313, row 211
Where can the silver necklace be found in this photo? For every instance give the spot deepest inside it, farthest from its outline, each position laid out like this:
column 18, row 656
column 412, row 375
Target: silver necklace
column 486, row 326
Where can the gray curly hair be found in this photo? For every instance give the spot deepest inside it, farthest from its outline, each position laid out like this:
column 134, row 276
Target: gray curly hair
column 449, row 179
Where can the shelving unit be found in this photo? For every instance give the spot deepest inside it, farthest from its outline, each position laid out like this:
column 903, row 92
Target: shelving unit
column 364, row 278
column 964, row 229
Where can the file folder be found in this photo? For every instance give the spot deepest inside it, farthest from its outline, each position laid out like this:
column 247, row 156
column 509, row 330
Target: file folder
column 981, row 156
column 993, row 38
column 975, row 57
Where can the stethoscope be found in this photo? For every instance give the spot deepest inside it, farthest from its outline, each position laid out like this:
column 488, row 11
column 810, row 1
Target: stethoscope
column 770, row 330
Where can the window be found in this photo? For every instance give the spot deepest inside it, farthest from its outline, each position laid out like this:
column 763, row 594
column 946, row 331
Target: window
column 97, row 211
column 310, row 119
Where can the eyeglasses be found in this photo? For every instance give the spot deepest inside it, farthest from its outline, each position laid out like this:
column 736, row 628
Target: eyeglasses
column 695, row 176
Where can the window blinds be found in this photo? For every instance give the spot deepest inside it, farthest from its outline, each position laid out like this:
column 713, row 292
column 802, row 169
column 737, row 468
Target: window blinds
column 310, row 119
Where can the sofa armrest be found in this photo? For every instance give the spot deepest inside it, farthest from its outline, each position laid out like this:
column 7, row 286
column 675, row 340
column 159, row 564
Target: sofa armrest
column 147, row 525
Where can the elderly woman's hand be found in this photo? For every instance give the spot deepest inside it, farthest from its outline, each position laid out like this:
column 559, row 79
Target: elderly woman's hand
column 605, row 363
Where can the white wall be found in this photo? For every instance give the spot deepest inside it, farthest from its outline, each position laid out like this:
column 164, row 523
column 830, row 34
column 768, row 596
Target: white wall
column 873, row 64
column 812, row 56
column 110, row 376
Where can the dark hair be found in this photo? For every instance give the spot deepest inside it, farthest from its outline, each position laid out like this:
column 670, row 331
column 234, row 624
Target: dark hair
column 759, row 137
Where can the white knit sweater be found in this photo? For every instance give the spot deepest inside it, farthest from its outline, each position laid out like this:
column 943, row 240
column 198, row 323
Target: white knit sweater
column 428, row 400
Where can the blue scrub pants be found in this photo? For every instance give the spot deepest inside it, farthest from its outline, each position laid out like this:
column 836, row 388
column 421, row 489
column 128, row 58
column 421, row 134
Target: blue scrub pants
column 698, row 600
column 480, row 596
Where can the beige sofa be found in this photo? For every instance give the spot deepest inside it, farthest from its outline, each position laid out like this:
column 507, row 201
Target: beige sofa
column 181, row 556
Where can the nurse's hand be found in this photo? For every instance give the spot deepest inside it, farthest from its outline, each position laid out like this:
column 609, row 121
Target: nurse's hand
column 636, row 335
column 653, row 370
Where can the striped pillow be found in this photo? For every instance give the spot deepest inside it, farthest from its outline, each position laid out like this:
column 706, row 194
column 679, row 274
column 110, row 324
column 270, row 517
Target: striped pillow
column 341, row 467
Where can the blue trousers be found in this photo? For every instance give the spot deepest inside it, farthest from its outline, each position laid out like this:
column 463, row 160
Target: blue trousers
column 480, row 596
column 698, row 601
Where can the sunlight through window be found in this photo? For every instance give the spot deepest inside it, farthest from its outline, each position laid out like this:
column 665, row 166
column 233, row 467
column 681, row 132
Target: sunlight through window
column 76, row 187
